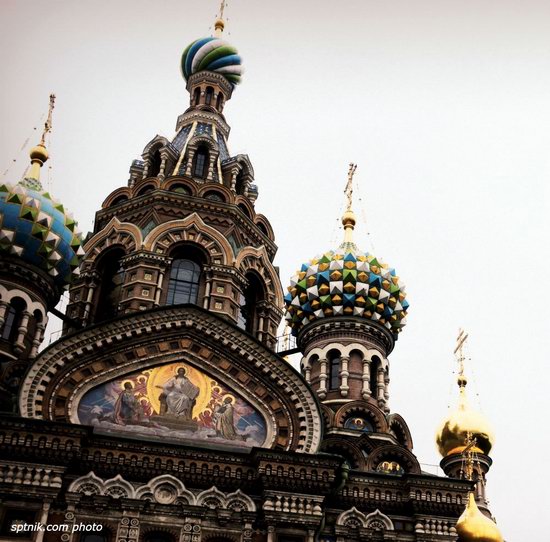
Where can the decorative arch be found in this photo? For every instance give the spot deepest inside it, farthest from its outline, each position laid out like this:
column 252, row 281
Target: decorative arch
column 352, row 519
column 245, row 206
column 8, row 295
column 239, row 502
column 264, row 225
column 172, row 182
column 212, row 498
column 374, row 414
column 223, row 191
column 113, row 198
column 257, row 260
column 347, row 449
column 377, row 521
column 165, row 489
column 154, row 182
column 398, row 425
column 393, row 452
column 192, row 228
column 114, row 233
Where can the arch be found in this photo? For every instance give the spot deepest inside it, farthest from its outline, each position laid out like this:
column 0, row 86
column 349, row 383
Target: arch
column 180, row 185
column 239, row 502
column 245, row 210
column 201, row 161
column 219, row 101
column 392, row 452
column 352, row 518
column 192, row 228
column 264, row 226
column 399, row 428
column 149, row 187
column 166, row 489
column 378, row 521
column 347, row 449
column 374, row 414
column 117, row 196
column 221, row 190
column 155, row 161
column 208, row 95
column 212, row 498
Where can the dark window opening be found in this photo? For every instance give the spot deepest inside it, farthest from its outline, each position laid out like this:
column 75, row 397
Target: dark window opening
column 154, row 164
column 219, row 100
column 209, row 95
column 185, row 275
column 145, row 190
column 196, row 96
column 180, row 189
column 112, row 279
column 334, row 381
column 14, row 517
column 9, row 329
column 248, row 315
column 239, row 183
column 374, row 366
column 201, row 163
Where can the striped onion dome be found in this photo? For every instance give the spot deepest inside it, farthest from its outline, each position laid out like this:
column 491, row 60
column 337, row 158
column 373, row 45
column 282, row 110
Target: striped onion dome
column 346, row 282
column 212, row 54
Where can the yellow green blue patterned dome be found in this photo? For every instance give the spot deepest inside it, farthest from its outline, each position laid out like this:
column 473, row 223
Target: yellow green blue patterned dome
column 346, row 282
column 212, row 54
column 37, row 229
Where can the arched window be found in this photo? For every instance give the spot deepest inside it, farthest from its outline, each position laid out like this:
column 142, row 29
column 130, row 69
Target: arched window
column 112, row 279
column 145, row 190
column 119, row 199
column 219, row 101
column 196, row 96
column 334, row 381
column 209, row 95
column 9, row 327
column 249, row 299
column 180, row 189
column 201, row 163
column 184, row 282
column 239, row 183
column 154, row 164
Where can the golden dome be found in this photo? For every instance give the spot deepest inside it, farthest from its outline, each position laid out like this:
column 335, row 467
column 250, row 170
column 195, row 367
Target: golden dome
column 451, row 436
column 473, row 526
column 39, row 152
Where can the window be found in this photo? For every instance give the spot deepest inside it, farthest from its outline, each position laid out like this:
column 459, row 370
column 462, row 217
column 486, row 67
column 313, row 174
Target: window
column 184, row 282
column 248, row 300
column 12, row 516
column 154, row 164
column 209, row 95
column 358, row 423
column 201, row 162
column 196, row 95
column 8, row 329
column 112, row 279
column 334, row 382
column 374, row 366
column 219, row 100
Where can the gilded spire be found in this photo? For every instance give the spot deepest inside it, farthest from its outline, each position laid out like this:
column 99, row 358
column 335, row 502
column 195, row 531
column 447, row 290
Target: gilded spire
column 472, row 525
column 39, row 153
column 219, row 25
column 463, row 420
column 348, row 218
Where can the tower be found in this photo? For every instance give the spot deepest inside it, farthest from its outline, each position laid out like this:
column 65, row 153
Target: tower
column 465, row 440
column 185, row 229
column 346, row 308
column 40, row 251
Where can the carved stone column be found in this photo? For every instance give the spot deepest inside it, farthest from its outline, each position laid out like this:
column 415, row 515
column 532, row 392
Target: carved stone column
column 323, row 376
column 366, row 379
column 19, row 345
column 3, row 310
column 37, row 339
column 189, row 165
column 344, row 374
column 306, row 368
column 380, row 387
column 128, row 529
column 191, row 532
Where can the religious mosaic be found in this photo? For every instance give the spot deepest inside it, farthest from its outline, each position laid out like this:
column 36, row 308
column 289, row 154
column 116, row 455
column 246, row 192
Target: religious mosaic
column 173, row 401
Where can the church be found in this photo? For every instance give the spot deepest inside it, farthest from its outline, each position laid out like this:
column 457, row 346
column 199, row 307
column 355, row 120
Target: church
column 167, row 410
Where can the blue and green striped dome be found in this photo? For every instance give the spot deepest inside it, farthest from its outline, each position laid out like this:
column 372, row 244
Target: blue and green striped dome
column 214, row 55
column 346, row 282
column 38, row 230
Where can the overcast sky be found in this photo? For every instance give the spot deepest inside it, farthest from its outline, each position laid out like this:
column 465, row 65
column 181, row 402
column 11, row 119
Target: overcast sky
column 444, row 105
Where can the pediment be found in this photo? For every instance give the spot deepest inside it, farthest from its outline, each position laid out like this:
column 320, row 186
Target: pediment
column 80, row 378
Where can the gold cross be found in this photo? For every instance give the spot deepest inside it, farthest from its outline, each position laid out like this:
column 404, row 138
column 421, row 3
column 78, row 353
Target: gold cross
column 349, row 185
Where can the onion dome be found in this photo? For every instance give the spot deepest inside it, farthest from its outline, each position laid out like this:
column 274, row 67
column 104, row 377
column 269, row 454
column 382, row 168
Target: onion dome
column 37, row 228
column 346, row 282
column 214, row 55
column 463, row 422
column 473, row 526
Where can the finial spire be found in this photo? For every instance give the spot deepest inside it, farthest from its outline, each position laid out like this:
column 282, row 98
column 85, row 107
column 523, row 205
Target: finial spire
column 348, row 218
column 459, row 353
column 39, row 153
column 219, row 25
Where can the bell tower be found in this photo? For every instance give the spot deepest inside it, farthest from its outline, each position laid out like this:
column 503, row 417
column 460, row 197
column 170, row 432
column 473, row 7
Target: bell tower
column 184, row 230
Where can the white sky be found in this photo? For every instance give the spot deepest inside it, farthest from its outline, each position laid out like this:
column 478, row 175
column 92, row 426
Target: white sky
column 443, row 105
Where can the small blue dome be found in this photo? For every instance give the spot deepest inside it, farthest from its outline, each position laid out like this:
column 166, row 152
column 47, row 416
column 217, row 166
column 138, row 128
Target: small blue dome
column 214, row 55
column 39, row 230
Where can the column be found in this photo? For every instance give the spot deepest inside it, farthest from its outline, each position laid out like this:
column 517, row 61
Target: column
column 306, row 365
column 380, row 386
column 366, row 379
column 208, row 288
column 19, row 345
column 43, row 520
column 189, row 164
column 89, row 298
column 344, row 374
column 323, row 376
column 271, row 534
column 37, row 339
column 234, row 173
column 210, row 175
